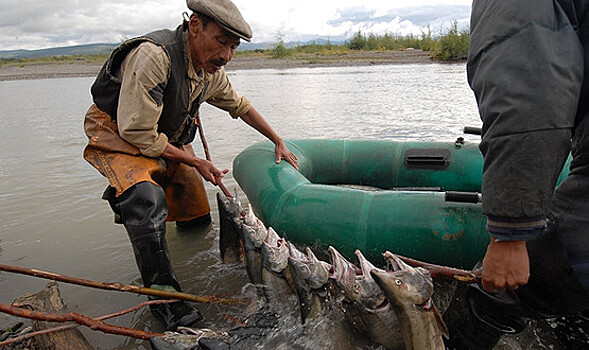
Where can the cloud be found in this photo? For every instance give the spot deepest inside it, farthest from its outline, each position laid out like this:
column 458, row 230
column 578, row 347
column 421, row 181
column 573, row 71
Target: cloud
column 341, row 19
column 29, row 24
column 403, row 20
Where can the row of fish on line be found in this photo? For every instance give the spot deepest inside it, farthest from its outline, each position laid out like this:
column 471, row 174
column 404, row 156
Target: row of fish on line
column 393, row 308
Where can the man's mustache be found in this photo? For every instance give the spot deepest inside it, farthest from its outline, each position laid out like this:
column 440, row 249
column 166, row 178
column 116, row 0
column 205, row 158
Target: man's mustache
column 218, row 62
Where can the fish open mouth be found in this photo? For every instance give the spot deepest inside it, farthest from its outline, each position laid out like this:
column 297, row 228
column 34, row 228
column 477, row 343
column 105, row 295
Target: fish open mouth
column 394, row 263
column 340, row 266
column 426, row 305
column 382, row 306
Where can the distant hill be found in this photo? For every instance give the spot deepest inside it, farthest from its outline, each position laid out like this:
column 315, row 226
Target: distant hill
column 105, row 48
column 244, row 46
column 89, row 49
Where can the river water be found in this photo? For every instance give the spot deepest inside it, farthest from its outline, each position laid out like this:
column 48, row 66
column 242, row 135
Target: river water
column 52, row 217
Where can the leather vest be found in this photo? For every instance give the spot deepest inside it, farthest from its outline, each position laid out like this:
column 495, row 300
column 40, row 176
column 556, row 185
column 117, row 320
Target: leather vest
column 178, row 118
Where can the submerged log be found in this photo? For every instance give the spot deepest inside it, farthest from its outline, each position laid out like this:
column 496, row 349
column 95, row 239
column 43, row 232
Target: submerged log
column 49, row 300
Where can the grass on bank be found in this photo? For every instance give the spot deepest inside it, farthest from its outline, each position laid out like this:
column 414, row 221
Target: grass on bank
column 450, row 46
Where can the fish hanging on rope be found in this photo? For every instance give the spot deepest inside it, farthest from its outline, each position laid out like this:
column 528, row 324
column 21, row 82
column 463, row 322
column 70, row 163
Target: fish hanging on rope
column 410, row 290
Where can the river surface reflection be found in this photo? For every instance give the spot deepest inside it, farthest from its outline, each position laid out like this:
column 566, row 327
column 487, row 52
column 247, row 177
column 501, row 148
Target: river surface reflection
column 52, row 217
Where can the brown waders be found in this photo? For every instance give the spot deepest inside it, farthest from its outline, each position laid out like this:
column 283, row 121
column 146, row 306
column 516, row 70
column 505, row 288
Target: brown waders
column 144, row 193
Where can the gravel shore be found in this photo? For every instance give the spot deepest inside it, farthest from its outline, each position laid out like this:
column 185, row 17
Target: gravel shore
column 19, row 71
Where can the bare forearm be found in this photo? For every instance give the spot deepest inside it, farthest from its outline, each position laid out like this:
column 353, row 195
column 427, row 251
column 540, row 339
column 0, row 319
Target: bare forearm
column 254, row 119
column 179, row 155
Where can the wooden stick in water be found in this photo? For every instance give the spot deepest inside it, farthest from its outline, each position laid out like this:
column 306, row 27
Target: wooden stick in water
column 116, row 286
column 74, row 325
column 81, row 319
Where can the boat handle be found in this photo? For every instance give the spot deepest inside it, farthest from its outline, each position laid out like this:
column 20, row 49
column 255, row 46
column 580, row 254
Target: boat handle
column 427, row 158
column 473, row 130
column 464, row 197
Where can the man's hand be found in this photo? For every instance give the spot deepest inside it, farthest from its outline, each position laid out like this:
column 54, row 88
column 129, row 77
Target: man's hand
column 282, row 152
column 506, row 265
column 186, row 155
column 208, row 171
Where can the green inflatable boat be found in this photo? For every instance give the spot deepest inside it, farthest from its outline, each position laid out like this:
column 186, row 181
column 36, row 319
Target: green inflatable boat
column 417, row 199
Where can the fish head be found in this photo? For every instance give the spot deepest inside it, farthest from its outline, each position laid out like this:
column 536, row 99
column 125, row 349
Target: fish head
column 253, row 230
column 319, row 271
column 272, row 238
column 342, row 271
column 314, row 272
column 346, row 275
column 297, row 261
column 231, row 205
column 366, row 289
column 230, row 222
column 295, row 253
column 253, row 236
column 275, row 252
column 404, row 285
column 300, row 267
column 250, row 217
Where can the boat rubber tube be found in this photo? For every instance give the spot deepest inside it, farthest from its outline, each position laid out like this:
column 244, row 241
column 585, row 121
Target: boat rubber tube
column 371, row 195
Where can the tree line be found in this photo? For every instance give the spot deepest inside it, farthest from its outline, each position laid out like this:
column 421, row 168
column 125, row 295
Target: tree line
column 449, row 46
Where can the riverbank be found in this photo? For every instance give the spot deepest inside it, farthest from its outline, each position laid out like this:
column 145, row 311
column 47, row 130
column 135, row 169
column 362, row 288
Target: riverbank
column 81, row 68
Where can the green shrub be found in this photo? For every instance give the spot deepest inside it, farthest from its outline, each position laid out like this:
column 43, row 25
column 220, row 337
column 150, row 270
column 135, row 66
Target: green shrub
column 281, row 51
column 453, row 46
column 450, row 46
column 358, row 42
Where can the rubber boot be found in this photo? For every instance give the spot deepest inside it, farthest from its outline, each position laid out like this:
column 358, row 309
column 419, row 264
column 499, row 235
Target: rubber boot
column 477, row 319
column 143, row 211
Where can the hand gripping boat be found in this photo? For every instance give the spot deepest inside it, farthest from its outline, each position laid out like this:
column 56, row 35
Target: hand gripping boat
column 418, row 199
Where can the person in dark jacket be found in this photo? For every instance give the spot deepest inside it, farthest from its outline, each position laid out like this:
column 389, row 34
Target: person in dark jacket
column 529, row 69
column 141, row 125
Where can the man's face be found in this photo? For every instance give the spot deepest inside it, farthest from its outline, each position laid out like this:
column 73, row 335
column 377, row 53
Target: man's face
column 211, row 46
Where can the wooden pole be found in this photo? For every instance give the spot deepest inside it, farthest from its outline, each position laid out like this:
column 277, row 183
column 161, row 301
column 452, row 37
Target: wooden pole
column 72, row 326
column 205, row 146
column 439, row 271
column 81, row 319
column 117, row 286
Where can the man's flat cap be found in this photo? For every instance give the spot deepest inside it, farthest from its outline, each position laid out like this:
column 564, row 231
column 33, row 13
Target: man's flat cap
column 225, row 13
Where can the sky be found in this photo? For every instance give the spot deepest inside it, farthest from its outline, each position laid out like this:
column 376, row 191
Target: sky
column 38, row 24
